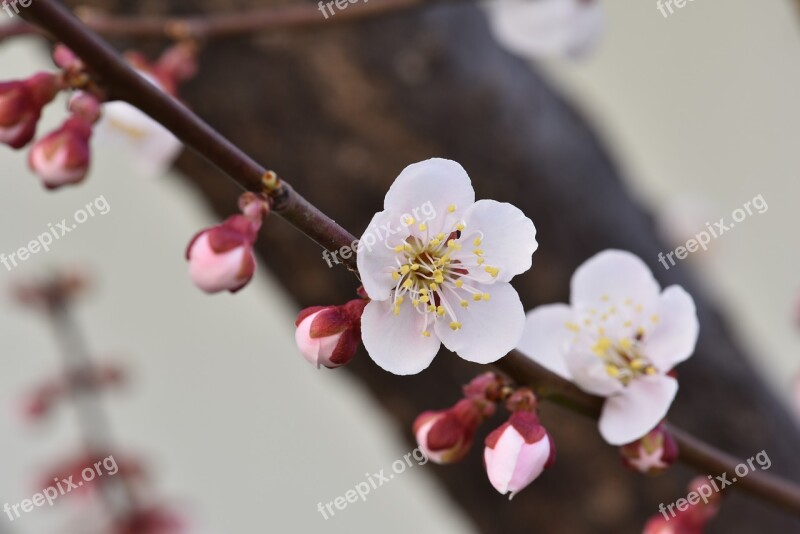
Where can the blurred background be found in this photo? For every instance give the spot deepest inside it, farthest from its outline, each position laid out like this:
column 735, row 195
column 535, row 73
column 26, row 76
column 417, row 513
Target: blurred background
column 698, row 110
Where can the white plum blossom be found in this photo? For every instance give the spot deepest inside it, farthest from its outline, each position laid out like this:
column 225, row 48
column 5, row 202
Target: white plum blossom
column 543, row 28
column 619, row 338
column 446, row 279
column 152, row 147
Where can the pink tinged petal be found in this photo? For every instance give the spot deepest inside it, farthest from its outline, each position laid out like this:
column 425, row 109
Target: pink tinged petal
column 395, row 342
column 490, row 329
column 674, row 336
column 213, row 272
column 440, row 182
column 637, row 409
column 317, row 350
column 616, row 275
column 589, row 373
column 547, row 27
column 508, row 242
column 376, row 257
column 545, row 338
column 513, row 460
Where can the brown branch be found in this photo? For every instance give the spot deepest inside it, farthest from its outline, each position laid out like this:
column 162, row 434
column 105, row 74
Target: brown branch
column 222, row 25
column 196, row 134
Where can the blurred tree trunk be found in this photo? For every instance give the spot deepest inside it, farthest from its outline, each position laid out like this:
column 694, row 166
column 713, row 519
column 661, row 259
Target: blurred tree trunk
column 341, row 110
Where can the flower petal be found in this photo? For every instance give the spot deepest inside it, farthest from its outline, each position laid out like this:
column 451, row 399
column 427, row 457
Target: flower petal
column 638, row 409
column 489, row 329
column 614, row 275
column 436, row 181
column 544, row 28
column 508, row 240
column 589, row 373
column 395, row 342
column 674, row 336
column 376, row 257
column 546, row 337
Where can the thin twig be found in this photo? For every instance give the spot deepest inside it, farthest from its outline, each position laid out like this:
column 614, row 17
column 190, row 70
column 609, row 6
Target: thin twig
column 196, row 134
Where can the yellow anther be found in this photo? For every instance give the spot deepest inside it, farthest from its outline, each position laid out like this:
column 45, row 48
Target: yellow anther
column 639, row 308
column 451, row 208
column 439, row 279
column 638, row 364
column 486, row 296
column 464, row 303
column 640, row 331
column 627, row 324
column 422, row 227
column 601, row 331
column 455, row 325
column 431, row 308
column 440, row 311
column 460, row 227
column 435, row 242
column 423, row 291
column 587, row 322
column 440, row 236
column 451, row 243
column 425, row 333
column 572, row 327
column 434, row 287
column 494, row 271
column 414, row 302
column 654, row 318
column 459, row 283
column 477, row 242
column 399, row 300
column 415, row 266
column 478, row 252
column 408, row 283
column 395, row 276
column 396, row 309
column 480, row 261
column 602, row 346
column 612, row 370
column 476, row 297
column 424, row 299
column 605, row 298
column 400, row 248
column 404, row 269
column 625, row 343
column 650, row 371
column 410, row 220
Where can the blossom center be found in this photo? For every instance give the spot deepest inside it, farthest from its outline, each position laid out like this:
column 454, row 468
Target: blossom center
column 435, row 277
column 615, row 334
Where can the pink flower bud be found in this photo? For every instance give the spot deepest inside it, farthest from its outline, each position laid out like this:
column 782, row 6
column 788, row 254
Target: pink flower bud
column 85, row 106
column 21, row 104
column 651, row 454
column 62, row 157
column 329, row 335
column 221, row 257
column 445, row 436
column 517, row 452
column 66, row 58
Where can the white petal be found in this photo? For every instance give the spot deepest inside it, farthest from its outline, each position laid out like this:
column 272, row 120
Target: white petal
column 636, row 411
column 395, row 342
column 616, row 275
column 376, row 258
column 431, row 184
column 546, row 337
column 673, row 338
column 509, row 239
column 537, row 28
column 153, row 147
column 490, row 329
column 589, row 373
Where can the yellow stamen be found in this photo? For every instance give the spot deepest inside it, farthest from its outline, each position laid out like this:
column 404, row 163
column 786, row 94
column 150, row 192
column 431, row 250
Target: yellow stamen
column 455, row 325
